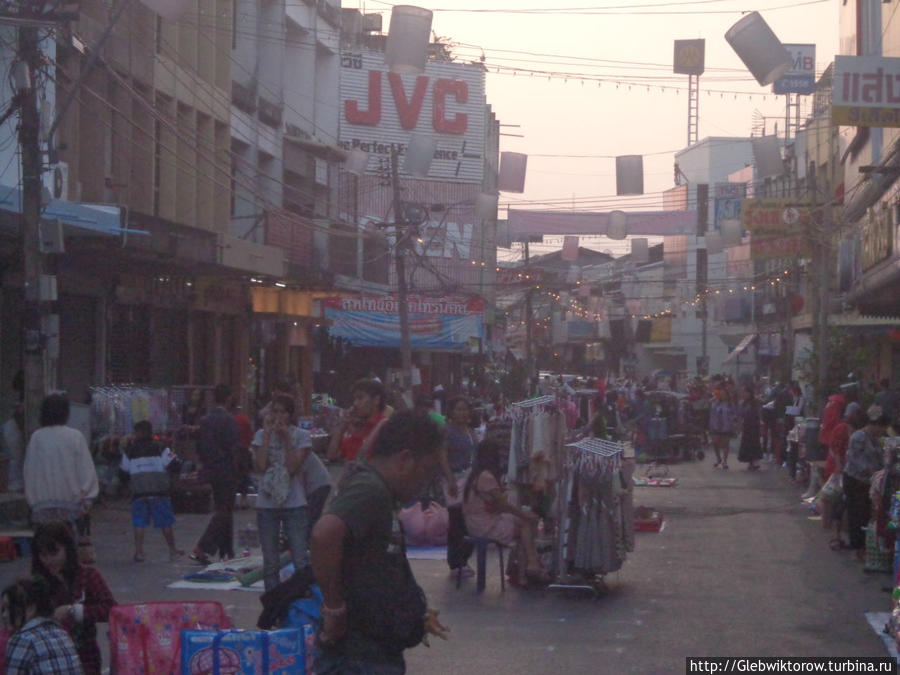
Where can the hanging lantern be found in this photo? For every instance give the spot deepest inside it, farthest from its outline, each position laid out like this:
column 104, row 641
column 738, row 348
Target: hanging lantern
column 356, row 161
column 714, row 243
column 486, row 206
column 640, row 250
column 759, row 48
column 630, row 175
column 512, row 172
column 767, row 156
column 406, row 50
column 617, row 227
column 419, row 154
column 732, row 233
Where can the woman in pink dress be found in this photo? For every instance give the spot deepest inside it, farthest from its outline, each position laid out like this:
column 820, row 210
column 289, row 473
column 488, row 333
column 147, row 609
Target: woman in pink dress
column 489, row 514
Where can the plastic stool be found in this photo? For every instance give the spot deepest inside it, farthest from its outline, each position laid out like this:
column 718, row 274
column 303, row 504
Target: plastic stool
column 481, row 547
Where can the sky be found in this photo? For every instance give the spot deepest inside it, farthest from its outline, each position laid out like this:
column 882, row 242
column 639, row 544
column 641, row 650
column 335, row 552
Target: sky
column 582, row 81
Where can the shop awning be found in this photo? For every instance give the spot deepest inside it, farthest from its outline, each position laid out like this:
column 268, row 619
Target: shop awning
column 742, row 346
column 79, row 218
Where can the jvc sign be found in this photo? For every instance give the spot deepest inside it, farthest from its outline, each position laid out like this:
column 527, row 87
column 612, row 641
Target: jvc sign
column 801, row 78
column 380, row 110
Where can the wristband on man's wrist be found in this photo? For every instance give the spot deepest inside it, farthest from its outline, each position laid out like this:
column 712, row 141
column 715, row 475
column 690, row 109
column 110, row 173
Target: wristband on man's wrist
column 334, row 611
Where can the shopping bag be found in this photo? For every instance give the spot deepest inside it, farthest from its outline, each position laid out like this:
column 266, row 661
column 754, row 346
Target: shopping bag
column 833, row 488
column 239, row 652
column 143, row 637
column 306, row 614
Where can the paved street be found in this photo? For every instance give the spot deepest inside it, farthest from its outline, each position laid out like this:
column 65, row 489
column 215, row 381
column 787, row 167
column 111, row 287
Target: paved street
column 738, row 570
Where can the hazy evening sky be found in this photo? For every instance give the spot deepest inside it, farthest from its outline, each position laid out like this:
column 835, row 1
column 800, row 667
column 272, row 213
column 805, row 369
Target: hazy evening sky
column 629, row 42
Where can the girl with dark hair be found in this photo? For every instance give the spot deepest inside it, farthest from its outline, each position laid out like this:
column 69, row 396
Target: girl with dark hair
column 60, row 479
column 38, row 643
column 489, row 514
column 80, row 596
column 280, row 449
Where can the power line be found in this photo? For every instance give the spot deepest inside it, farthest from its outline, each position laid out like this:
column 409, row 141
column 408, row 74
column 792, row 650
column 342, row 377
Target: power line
column 614, row 10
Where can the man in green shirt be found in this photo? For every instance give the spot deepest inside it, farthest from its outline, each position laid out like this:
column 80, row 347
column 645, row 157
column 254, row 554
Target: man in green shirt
column 374, row 609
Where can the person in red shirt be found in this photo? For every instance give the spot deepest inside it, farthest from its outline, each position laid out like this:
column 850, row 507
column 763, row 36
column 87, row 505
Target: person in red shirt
column 355, row 432
column 243, row 463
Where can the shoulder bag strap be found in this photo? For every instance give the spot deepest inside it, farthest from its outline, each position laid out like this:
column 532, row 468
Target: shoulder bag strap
column 265, row 653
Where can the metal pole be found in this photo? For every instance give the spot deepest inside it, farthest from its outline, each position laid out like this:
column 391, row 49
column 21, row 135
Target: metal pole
column 29, row 130
column 823, row 250
column 702, row 272
column 529, row 334
column 401, row 235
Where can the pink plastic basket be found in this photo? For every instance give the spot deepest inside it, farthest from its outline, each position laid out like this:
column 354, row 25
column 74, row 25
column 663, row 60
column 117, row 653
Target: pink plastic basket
column 144, row 638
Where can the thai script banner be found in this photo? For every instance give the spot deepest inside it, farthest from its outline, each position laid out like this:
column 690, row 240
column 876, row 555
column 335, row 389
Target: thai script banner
column 866, row 91
column 661, row 223
column 767, row 248
column 777, row 217
column 448, row 322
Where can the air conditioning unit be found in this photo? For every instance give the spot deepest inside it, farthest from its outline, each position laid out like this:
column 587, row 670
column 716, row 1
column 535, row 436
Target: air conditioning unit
column 61, row 181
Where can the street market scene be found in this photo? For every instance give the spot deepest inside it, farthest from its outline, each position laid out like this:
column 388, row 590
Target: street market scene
column 368, row 338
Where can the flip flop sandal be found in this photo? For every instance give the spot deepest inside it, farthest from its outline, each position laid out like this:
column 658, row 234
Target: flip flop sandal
column 138, row 558
column 837, row 545
column 200, row 559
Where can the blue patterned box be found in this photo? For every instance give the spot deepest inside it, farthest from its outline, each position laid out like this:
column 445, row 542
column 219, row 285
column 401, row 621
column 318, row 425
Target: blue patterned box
column 239, row 652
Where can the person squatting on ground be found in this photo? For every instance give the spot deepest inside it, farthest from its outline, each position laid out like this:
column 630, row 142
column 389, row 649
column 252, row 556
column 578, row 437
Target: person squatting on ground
column 79, row 593
column 147, row 465
column 39, row 645
column 489, row 514
column 60, row 479
column 373, row 608
column 280, row 449
column 216, row 445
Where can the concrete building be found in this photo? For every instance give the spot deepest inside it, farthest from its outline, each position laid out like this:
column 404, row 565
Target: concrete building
column 864, row 261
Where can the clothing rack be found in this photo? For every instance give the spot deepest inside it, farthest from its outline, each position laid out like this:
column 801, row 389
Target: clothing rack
column 595, row 446
column 598, row 446
column 538, row 400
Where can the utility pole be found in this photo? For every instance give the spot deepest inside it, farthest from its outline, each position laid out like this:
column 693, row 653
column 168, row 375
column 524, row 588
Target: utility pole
column 32, row 186
column 402, row 236
column 822, row 347
column 702, row 273
column 529, row 330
